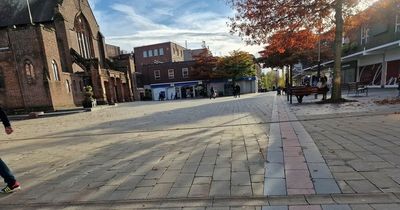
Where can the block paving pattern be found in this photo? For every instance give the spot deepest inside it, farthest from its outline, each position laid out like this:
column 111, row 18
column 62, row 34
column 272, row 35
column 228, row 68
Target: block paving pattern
column 294, row 163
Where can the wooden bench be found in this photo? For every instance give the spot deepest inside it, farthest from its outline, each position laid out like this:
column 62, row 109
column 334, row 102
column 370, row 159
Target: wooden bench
column 357, row 88
column 301, row 91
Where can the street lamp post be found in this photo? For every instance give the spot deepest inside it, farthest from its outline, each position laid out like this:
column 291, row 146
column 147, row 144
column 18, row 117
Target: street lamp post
column 319, row 62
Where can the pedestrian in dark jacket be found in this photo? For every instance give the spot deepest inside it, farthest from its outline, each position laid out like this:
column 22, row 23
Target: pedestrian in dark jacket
column 237, row 90
column 5, row 172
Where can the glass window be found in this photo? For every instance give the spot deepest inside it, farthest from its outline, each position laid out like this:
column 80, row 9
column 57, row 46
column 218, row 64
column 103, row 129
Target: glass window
column 161, row 51
column 150, row 52
column 144, row 54
column 29, row 71
column 157, row 75
column 171, row 73
column 397, row 29
column 185, row 72
column 156, row 52
column 55, row 70
column 2, row 80
column 364, row 35
column 68, row 85
column 84, row 35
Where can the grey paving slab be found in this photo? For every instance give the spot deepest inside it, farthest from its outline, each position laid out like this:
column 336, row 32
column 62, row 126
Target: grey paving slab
column 275, row 157
column 240, row 178
column 222, row 174
column 363, row 186
column 245, row 208
column 140, row 192
column 313, row 156
column 361, row 207
column 176, row 192
column 257, row 169
column 257, row 188
column 241, row 190
column 199, row 190
column 205, row 170
column 319, row 170
column 238, row 166
column 348, row 176
column 274, row 170
column 160, row 191
column 385, row 206
column 202, row 180
column 257, row 178
column 275, row 186
column 220, row 188
column 275, row 208
column 189, row 137
column 319, row 199
column 336, row 207
column 344, row 187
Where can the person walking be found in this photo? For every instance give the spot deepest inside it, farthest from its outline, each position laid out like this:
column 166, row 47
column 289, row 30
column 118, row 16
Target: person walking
column 237, row 90
column 234, row 91
column 212, row 93
column 322, row 84
column 5, row 172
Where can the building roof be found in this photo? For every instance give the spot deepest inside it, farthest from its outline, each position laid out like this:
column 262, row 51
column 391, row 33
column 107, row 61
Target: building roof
column 15, row 12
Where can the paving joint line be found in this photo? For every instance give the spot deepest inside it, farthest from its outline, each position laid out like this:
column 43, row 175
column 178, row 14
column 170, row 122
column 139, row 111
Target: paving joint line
column 197, row 128
column 312, row 199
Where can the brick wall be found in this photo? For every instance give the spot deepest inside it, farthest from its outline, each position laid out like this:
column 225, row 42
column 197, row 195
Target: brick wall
column 169, row 55
column 148, row 72
column 70, row 10
column 61, row 95
column 42, row 44
column 112, row 51
column 25, row 43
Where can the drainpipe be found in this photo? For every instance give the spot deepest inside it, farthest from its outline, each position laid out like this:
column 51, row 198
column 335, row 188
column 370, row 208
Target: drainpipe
column 384, row 71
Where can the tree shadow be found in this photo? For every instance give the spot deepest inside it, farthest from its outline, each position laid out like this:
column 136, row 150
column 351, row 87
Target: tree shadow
column 119, row 160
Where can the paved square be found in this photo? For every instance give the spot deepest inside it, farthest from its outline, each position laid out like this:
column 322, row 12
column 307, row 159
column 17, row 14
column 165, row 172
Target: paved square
column 256, row 152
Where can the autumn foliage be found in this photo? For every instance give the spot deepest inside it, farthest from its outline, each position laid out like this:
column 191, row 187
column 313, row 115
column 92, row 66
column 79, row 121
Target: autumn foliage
column 286, row 48
column 256, row 21
column 205, row 66
column 233, row 66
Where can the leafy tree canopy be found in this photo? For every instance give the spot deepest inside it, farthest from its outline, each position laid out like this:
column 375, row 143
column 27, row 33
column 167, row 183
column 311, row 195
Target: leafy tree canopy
column 238, row 64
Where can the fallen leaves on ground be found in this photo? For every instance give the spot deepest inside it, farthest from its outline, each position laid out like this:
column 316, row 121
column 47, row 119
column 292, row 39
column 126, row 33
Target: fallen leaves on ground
column 388, row 101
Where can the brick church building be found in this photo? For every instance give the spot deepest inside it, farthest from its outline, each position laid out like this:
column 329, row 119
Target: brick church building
column 50, row 50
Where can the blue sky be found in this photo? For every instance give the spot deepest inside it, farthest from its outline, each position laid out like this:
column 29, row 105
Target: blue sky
column 130, row 23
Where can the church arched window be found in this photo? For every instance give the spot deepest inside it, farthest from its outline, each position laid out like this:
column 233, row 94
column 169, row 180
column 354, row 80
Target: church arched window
column 84, row 37
column 29, row 71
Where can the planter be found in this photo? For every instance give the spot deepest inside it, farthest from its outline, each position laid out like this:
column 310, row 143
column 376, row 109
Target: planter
column 89, row 103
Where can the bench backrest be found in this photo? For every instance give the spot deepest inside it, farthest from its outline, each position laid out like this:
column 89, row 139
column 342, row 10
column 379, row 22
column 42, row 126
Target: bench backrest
column 306, row 90
column 355, row 85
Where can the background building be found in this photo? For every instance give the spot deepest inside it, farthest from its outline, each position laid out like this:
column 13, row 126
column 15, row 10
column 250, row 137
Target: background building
column 371, row 47
column 48, row 55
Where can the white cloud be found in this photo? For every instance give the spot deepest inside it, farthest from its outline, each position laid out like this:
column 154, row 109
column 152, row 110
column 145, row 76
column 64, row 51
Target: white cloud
column 137, row 27
column 136, row 20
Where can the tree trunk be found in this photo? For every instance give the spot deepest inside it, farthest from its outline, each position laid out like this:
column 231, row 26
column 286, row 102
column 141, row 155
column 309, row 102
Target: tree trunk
column 337, row 89
column 291, row 82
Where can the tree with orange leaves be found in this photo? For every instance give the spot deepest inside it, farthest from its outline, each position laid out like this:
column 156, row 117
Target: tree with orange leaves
column 257, row 20
column 287, row 48
column 205, row 66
